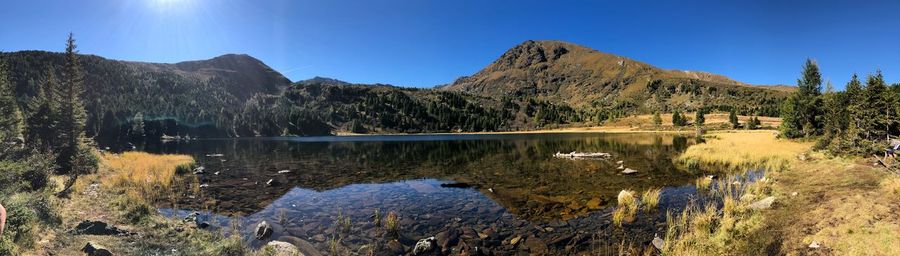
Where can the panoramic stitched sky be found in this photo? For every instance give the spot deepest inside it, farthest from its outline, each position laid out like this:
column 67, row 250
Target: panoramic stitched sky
column 425, row 43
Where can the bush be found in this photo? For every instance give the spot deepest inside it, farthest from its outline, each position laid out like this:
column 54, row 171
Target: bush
column 20, row 224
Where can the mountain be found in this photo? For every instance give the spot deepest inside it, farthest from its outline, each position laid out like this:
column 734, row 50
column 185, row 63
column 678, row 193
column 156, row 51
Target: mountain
column 186, row 98
column 535, row 85
column 584, row 78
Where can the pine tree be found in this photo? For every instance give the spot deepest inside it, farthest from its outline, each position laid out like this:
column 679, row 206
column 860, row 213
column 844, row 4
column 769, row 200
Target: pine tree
column 801, row 112
column 71, row 109
column 878, row 111
column 10, row 117
column 677, row 119
column 40, row 130
column 657, row 120
column 733, row 118
column 699, row 118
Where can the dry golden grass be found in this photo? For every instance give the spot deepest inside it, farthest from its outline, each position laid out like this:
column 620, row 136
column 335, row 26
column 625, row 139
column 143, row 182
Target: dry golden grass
column 741, row 149
column 143, row 175
column 650, row 198
column 845, row 205
column 713, row 119
column 702, row 184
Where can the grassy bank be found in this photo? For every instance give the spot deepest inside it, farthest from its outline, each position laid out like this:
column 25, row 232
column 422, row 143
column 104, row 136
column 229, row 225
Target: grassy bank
column 823, row 205
column 123, row 193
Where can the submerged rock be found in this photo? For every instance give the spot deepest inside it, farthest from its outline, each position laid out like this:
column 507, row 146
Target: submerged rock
column 425, row 246
column 764, row 203
column 263, row 230
column 305, row 247
column 283, row 248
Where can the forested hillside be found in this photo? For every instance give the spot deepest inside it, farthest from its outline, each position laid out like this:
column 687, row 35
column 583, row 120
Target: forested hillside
column 538, row 84
column 135, row 100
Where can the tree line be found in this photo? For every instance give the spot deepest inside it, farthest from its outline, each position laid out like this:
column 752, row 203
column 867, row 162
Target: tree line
column 47, row 138
column 859, row 120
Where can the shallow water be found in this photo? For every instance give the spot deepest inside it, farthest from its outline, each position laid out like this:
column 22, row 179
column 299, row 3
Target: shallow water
column 485, row 189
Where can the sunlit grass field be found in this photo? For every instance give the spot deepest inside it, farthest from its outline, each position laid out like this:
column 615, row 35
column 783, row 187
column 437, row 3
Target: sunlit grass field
column 744, row 149
column 145, row 175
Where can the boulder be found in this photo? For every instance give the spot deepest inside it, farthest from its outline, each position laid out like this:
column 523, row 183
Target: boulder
column 305, row 247
column 659, row 243
column 263, row 230
column 425, row 246
column 93, row 249
column 764, row 203
column 629, row 171
column 97, row 228
column 283, row 248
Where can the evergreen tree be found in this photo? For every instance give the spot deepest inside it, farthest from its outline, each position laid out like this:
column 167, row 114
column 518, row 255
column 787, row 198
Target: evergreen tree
column 801, row 112
column 10, row 117
column 40, row 131
column 733, row 118
column 878, row 112
column 699, row 118
column 657, row 120
column 677, row 119
column 71, row 109
column 834, row 114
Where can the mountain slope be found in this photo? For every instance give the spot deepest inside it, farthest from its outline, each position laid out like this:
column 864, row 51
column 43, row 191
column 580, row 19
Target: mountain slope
column 192, row 97
column 561, row 72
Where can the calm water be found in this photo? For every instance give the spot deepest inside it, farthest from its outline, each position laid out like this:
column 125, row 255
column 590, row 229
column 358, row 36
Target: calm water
column 483, row 190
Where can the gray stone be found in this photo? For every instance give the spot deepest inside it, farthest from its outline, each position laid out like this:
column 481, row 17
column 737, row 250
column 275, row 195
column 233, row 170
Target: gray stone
column 284, row 248
column 764, row 203
column 305, row 247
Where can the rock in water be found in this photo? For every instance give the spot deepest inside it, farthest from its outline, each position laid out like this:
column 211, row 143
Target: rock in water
column 263, row 230
column 629, row 171
column 424, row 246
column 93, row 249
column 764, row 203
column 283, row 248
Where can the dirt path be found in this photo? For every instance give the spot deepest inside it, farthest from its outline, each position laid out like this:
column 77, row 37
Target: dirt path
column 840, row 205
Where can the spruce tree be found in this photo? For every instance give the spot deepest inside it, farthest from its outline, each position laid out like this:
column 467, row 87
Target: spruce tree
column 657, row 120
column 801, row 112
column 878, row 111
column 10, row 117
column 733, row 118
column 40, row 126
column 677, row 118
column 71, row 109
column 699, row 118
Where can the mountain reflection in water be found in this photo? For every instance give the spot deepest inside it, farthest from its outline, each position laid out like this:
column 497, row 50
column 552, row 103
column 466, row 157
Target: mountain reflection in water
column 474, row 183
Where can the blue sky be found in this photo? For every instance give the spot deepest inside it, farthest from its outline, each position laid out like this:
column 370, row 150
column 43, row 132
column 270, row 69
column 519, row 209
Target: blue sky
column 424, row 43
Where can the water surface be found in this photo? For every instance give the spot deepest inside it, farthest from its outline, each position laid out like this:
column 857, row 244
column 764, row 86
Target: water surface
column 485, row 189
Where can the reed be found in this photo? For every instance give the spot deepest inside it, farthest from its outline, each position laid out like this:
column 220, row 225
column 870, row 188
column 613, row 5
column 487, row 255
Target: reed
column 650, row 199
column 143, row 175
column 392, row 223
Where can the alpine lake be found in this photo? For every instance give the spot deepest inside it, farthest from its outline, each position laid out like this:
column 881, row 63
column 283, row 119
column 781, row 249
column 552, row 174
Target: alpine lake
column 476, row 194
